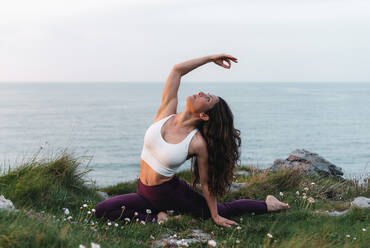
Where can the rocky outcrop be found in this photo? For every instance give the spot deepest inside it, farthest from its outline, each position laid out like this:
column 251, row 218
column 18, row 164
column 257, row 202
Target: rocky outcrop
column 361, row 202
column 358, row 202
column 237, row 186
column 6, row 205
column 242, row 173
column 196, row 236
column 309, row 161
column 102, row 195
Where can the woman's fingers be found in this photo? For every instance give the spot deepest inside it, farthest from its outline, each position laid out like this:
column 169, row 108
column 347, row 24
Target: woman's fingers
column 231, row 57
column 223, row 57
column 224, row 65
column 221, row 63
column 228, row 61
column 232, row 222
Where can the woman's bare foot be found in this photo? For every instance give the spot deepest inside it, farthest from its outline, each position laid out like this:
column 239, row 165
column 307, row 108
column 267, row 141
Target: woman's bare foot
column 162, row 217
column 274, row 204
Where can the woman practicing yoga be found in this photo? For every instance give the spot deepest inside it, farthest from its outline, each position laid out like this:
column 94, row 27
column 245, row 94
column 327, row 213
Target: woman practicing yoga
column 204, row 131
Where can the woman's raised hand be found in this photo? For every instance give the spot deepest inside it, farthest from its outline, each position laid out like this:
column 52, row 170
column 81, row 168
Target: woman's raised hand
column 219, row 60
column 221, row 221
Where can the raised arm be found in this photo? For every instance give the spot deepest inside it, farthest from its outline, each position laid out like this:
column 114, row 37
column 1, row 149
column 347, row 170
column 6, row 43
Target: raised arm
column 169, row 95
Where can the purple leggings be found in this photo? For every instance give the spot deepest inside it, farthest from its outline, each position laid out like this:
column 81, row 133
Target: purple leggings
column 174, row 194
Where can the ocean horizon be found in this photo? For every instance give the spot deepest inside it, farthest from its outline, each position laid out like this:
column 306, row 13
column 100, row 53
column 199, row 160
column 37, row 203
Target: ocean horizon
column 107, row 122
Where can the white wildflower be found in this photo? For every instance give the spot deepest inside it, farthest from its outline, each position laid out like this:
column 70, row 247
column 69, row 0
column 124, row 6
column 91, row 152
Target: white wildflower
column 93, row 245
column 241, row 218
column 303, row 193
column 81, row 246
column 269, row 235
column 115, row 224
column 175, row 235
column 69, row 217
column 142, row 222
column 297, row 193
column 304, row 197
column 306, row 189
column 88, row 212
column 281, row 194
column 127, row 219
column 238, row 228
column 66, row 211
column 148, row 211
column 364, row 229
column 311, row 200
column 109, row 223
column 237, row 241
column 136, row 213
column 348, row 236
column 152, row 237
column 93, row 210
column 85, row 205
column 354, row 238
column 212, row 243
column 312, row 183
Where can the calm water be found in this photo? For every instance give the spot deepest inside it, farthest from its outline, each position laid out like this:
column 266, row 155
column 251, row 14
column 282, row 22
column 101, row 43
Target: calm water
column 108, row 120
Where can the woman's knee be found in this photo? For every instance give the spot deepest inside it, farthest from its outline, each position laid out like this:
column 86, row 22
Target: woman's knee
column 98, row 210
column 101, row 209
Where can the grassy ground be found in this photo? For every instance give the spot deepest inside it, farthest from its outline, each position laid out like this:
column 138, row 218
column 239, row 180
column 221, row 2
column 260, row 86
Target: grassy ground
column 42, row 187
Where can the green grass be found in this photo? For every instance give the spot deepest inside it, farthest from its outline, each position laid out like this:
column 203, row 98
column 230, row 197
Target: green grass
column 42, row 187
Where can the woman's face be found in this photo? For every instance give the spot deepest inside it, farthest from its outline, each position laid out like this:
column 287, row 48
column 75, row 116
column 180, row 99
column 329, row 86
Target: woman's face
column 201, row 102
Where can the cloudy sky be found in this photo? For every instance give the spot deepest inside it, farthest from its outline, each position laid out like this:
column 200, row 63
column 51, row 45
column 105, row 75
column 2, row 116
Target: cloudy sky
column 140, row 40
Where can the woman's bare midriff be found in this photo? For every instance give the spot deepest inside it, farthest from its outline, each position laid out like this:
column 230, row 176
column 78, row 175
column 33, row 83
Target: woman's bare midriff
column 150, row 177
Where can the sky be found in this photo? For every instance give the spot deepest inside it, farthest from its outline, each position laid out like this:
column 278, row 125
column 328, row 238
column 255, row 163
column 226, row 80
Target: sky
column 141, row 40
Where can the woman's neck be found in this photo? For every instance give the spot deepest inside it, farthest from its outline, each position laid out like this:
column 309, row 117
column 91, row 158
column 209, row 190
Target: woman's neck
column 186, row 119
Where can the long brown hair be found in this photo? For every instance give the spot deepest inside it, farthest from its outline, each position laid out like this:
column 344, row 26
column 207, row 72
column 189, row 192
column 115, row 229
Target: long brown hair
column 223, row 143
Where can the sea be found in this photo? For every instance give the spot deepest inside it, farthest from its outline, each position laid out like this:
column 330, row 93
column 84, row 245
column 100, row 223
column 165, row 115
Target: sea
column 103, row 124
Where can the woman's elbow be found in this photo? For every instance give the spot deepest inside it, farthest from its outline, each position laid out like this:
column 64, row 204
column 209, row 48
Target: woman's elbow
column 177, row 69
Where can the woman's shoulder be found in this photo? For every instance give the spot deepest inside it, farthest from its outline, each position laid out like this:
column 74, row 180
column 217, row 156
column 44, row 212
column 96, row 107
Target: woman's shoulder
column 162, row 117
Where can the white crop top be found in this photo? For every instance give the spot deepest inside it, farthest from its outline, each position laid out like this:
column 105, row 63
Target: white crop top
column 165, row 158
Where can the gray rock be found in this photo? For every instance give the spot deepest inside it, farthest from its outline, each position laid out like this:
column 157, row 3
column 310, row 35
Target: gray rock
column 242, row 173
column 361, row 202
column 309, row 161
column 197, row 236
column 337, row 213
column 200, row 235
column 6, row 205
column 102, row 194
column 237, row 186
